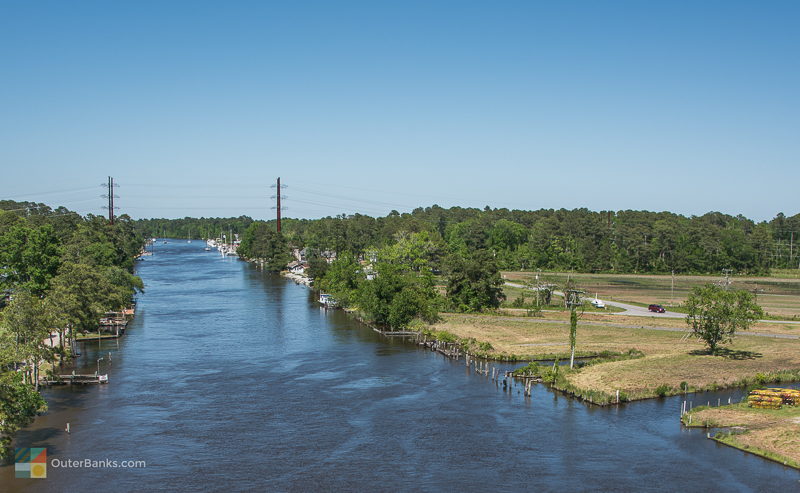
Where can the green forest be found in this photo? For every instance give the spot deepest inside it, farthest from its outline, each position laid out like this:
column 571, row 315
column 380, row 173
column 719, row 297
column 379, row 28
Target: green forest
column 577, row 240
column 403, row 269
column 59, row 272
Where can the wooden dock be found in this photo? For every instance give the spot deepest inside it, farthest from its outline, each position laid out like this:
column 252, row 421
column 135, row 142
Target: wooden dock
column 391, row 333
column 73, row 379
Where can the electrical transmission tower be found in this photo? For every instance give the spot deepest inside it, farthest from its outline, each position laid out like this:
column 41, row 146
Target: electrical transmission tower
column 278, row 196
column 110, row 196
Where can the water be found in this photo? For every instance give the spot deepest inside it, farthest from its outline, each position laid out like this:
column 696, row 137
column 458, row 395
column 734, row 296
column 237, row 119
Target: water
column 231, row 379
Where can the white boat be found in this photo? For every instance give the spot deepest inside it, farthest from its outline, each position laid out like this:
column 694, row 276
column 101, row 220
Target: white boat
column 327, row 300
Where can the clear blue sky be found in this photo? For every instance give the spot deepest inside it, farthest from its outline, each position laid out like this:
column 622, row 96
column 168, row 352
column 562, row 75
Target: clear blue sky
column 196, row 107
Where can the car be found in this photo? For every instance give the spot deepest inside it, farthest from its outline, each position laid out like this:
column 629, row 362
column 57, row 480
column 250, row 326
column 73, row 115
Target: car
column 597, row 303
column 656, row 308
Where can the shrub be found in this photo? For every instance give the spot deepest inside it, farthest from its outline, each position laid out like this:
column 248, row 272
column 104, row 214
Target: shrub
column 662, row 390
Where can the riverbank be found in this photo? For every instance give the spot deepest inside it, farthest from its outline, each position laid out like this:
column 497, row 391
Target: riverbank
column 668, row 360
column 672, row 363
column 770, row 433
column 297, row 278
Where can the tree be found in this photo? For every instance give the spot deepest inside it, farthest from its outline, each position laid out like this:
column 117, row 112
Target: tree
column 82, row 294
column 29, row 258
column 716, row 314
column 261, row 242
column 29, row 321
column 397, row 295
column 342, row 279
column 474, row 282
column 19, row 403
column 572, row 298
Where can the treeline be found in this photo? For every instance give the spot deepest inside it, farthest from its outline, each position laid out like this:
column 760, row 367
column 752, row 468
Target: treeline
column 59, row 272
column 578, row 240
column 191, row 227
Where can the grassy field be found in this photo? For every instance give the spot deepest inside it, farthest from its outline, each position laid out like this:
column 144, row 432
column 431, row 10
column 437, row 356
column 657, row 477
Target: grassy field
column 778, row 295
column 671, row 362
column 771, row 433
column 556, row 303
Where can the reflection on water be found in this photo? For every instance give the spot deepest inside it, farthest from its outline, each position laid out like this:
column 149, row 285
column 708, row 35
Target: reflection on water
column 230, row 379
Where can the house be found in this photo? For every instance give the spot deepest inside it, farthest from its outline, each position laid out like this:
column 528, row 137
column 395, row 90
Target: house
column 299, row 254
column 328, row 255
column 297, row 267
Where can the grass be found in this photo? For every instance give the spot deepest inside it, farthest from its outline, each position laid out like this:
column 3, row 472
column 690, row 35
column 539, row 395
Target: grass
column 779, row 295
column 668, row 359
column 770, row 433
column 80, row 336
column 528, row 298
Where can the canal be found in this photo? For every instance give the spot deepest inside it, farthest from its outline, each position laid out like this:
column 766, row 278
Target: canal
column 232, row 379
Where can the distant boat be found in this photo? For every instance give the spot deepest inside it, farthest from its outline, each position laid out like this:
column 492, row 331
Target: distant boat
column 208, row 249
column 327, row 300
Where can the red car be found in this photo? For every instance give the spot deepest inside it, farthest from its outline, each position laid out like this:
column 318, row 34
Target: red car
column 656, row 308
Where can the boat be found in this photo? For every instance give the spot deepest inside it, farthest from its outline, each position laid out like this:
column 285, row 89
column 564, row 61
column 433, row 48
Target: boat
column 327, row 300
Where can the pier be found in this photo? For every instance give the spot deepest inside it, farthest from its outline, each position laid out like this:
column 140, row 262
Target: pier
column 73, row 379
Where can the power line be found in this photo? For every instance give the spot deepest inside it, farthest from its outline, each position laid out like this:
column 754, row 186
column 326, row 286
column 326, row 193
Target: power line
column 73, row 190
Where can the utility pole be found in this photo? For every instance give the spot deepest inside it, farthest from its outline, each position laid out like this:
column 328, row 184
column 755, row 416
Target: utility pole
column 672, row 290
column 278, row 196
column 110, row 196
column 727, row 274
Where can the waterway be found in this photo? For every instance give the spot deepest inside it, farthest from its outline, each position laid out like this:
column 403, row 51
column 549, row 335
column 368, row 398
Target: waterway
column 232, row 379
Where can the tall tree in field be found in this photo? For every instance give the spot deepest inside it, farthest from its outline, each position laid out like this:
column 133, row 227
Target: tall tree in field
column 716, row 314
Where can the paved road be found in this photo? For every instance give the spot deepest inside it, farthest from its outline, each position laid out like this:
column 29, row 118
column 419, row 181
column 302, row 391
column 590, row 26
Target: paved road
column 636, row 311
column 640, row 311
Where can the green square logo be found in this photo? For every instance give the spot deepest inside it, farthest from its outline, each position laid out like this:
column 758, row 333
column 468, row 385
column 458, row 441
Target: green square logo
column 30, row 463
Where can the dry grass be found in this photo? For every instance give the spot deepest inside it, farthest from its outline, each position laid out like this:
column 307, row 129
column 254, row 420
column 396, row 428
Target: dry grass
column 676, row 364
column 778, row 296
column 533, row 337
column 620, row 320
column 776, row 432
column 669, row 358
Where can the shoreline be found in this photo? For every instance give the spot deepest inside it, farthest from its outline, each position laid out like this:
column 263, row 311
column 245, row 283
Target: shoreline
column 453, row 344
column 767, row 433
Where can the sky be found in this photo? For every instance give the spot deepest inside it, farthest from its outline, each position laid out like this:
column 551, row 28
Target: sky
column 195, row 108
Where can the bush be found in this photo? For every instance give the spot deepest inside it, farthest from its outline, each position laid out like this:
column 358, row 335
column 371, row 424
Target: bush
column 663, row 389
